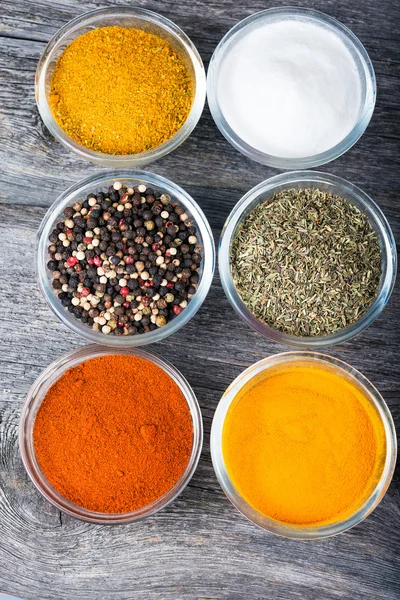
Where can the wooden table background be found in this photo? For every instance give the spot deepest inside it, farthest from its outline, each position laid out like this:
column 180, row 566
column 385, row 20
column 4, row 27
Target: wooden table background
column 200, row 546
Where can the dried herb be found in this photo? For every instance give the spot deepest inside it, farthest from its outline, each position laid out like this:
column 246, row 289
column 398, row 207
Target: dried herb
column 306, row 262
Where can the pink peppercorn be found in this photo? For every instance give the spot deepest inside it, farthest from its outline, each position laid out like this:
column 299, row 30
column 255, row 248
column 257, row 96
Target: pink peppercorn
column 71, row 261
column 124, row 291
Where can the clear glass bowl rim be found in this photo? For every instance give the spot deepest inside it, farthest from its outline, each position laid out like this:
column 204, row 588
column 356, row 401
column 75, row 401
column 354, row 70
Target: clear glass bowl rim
column 276, row 527
column 366, row 111
column 34, row 399
column 96, row 181
column 377, row 219
column 128, row 160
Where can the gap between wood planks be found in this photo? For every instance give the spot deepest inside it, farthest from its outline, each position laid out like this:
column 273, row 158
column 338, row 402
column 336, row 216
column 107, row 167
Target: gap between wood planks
column 22, row 38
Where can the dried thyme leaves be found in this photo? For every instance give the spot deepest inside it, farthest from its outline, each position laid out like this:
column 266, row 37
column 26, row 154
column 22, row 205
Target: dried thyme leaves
column 306, row 262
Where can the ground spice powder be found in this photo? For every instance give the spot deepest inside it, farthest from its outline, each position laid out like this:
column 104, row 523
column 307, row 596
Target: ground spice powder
column 113, row 434
column 303, row 446
column 120, row 90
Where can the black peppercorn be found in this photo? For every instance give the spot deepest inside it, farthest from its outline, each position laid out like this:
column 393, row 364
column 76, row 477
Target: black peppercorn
column 152, row 270
column 68, row 212
column 79, row 221
column 180, row 286
column 157, row 279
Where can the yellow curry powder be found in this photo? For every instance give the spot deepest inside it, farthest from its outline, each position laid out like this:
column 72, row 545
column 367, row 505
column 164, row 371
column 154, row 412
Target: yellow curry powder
column 118, row 90
column 303, row 445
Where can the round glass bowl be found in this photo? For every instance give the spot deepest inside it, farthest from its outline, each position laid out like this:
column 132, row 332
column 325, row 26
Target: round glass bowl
column 339, row 368
column 327, row 183
column 138, row 18
column 353, row 44
column 32, row 404
column 95, row 184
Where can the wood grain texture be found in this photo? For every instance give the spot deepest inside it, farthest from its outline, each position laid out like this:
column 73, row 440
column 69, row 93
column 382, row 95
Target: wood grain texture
column 200, row 546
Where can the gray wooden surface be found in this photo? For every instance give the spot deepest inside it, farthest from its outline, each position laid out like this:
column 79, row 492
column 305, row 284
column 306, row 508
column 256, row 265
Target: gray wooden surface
column 200, row 546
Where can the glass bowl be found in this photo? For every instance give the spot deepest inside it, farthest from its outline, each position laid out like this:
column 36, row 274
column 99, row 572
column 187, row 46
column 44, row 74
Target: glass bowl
column 97, row 183
column 364, row 67
column 345, row 371
column 124, row 17
column 333, row 185
column 32, row 404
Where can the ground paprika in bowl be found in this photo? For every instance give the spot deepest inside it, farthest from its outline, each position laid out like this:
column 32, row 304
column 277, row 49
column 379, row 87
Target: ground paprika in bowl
column 110, row 436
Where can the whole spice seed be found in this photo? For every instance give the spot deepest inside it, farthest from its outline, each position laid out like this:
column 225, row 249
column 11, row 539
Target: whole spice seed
column 306, row 262
column 118, row 275
column 120, row 90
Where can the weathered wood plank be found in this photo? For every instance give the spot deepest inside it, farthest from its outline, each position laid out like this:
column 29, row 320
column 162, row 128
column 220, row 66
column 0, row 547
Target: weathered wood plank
column 200, row 546
column 23, row 137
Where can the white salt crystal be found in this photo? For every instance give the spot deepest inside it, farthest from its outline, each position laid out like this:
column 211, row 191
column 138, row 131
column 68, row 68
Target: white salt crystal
column 290, row 88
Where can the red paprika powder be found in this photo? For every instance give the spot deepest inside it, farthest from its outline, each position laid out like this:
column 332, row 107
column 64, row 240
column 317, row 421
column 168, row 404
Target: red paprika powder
column 113, row 434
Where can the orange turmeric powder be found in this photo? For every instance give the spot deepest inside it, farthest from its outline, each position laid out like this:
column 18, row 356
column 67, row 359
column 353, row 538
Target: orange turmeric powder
column 303, row 445
column 120, row 90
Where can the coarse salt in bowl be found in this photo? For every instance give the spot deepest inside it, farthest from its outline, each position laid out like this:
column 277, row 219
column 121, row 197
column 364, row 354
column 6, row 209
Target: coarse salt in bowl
column 100, row 183
column 138, row 18
column 273, row 129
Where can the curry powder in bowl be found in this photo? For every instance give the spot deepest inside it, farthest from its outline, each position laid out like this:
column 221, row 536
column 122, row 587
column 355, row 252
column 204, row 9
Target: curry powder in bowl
column 120, row 86
column 120, row 90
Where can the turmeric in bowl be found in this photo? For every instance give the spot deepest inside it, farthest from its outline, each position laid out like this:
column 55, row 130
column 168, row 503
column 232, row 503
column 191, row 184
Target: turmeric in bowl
column 303, row 445
column 120, row 90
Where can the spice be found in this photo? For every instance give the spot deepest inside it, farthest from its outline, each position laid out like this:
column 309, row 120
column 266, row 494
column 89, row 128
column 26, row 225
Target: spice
column 120, row 90
column 113, row 434
column 299, row 92
column 303, row 445
column 306, row 262
column 126, row 260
